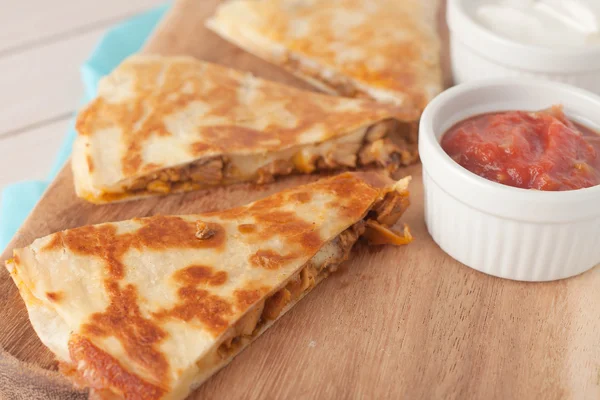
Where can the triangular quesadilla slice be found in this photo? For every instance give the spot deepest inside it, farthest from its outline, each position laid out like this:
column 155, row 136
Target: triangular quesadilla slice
column 383, row 49
column 150, row 308
column 171, row 124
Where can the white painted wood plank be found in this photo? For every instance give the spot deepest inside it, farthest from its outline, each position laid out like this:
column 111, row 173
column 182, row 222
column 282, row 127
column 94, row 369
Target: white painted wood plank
column 43, row 83
column 27, row 22
column 31, row 154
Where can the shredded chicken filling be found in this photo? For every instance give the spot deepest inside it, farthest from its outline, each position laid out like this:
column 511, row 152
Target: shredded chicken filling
column 375, row 228
column 388, row 144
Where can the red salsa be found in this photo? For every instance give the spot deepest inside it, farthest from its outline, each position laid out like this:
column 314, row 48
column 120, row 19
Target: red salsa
column 541, row 150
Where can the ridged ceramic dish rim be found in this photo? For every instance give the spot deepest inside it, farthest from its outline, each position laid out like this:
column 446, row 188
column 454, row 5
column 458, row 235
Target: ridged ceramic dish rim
column 501, row 230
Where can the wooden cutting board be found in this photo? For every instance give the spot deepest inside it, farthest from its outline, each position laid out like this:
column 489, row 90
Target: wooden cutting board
column 406, row 322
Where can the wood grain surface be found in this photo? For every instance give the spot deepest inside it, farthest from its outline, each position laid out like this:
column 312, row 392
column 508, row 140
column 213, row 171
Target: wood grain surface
column 405, row 322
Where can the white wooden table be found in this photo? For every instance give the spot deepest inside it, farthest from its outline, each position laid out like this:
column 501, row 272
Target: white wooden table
column 42, row 45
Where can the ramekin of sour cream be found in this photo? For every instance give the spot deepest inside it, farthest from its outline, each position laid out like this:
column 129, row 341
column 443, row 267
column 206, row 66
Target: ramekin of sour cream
column 551, row 39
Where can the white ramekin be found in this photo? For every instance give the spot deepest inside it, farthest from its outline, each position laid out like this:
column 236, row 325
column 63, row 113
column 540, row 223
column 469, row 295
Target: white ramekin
column 477, row 53
column 500, row 230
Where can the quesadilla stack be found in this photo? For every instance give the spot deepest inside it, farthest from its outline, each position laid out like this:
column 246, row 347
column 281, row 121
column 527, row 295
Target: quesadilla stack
column 171, row 124
column 152, row 307
column 383, row 49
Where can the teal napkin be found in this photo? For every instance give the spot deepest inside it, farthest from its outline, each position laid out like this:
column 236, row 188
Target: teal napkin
column 118, row 43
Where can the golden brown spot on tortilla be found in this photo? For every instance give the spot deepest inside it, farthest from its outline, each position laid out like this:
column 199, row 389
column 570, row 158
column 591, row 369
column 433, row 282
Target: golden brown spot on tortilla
column 197, row 274
column 289, row 226
column 163, row 232
column 301, row 197
column 231, row 213
column 101, row 370
column 56, row 242
column 247, row 228
column 158, row 232
column 55, row 297
column 16, row 259
column 353, row 195
column 267, row 204
column 90, row 163
column 198, row 304
column 244, row 298
column 134, row 162
column 311, row 240
column 200, row 148
column 269, row 259
column 151, row 167
column 102, row 242
column 139, row 336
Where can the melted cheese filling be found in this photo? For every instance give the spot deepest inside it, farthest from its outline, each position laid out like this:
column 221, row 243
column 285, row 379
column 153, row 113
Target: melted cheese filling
column 385, row 143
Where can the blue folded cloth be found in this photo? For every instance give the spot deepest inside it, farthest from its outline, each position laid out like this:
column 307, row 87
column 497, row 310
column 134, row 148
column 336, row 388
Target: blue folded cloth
column 118, row 43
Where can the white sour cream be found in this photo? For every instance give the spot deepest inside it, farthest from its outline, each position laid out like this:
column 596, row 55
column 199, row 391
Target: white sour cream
column 548, row 23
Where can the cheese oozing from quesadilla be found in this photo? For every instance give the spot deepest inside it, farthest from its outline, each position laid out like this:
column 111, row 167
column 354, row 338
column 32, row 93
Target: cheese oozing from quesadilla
column 150, row 308
column 387, row 50
column 172, row 124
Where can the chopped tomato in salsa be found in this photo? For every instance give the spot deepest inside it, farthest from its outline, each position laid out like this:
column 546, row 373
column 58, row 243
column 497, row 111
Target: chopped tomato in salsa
column 541, row 150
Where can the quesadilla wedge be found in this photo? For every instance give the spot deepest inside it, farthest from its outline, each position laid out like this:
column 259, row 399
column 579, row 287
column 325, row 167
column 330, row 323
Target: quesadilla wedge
column 171, row 124
column 150, row 308
column 387, row 50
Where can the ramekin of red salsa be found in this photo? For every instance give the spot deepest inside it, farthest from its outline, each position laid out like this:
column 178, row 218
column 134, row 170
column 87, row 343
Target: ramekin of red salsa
column 512, row 183
column 541, row 150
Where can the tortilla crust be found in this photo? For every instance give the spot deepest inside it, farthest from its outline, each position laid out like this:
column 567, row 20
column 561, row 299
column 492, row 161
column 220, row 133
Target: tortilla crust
column 142, row 301
column 386, row 49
